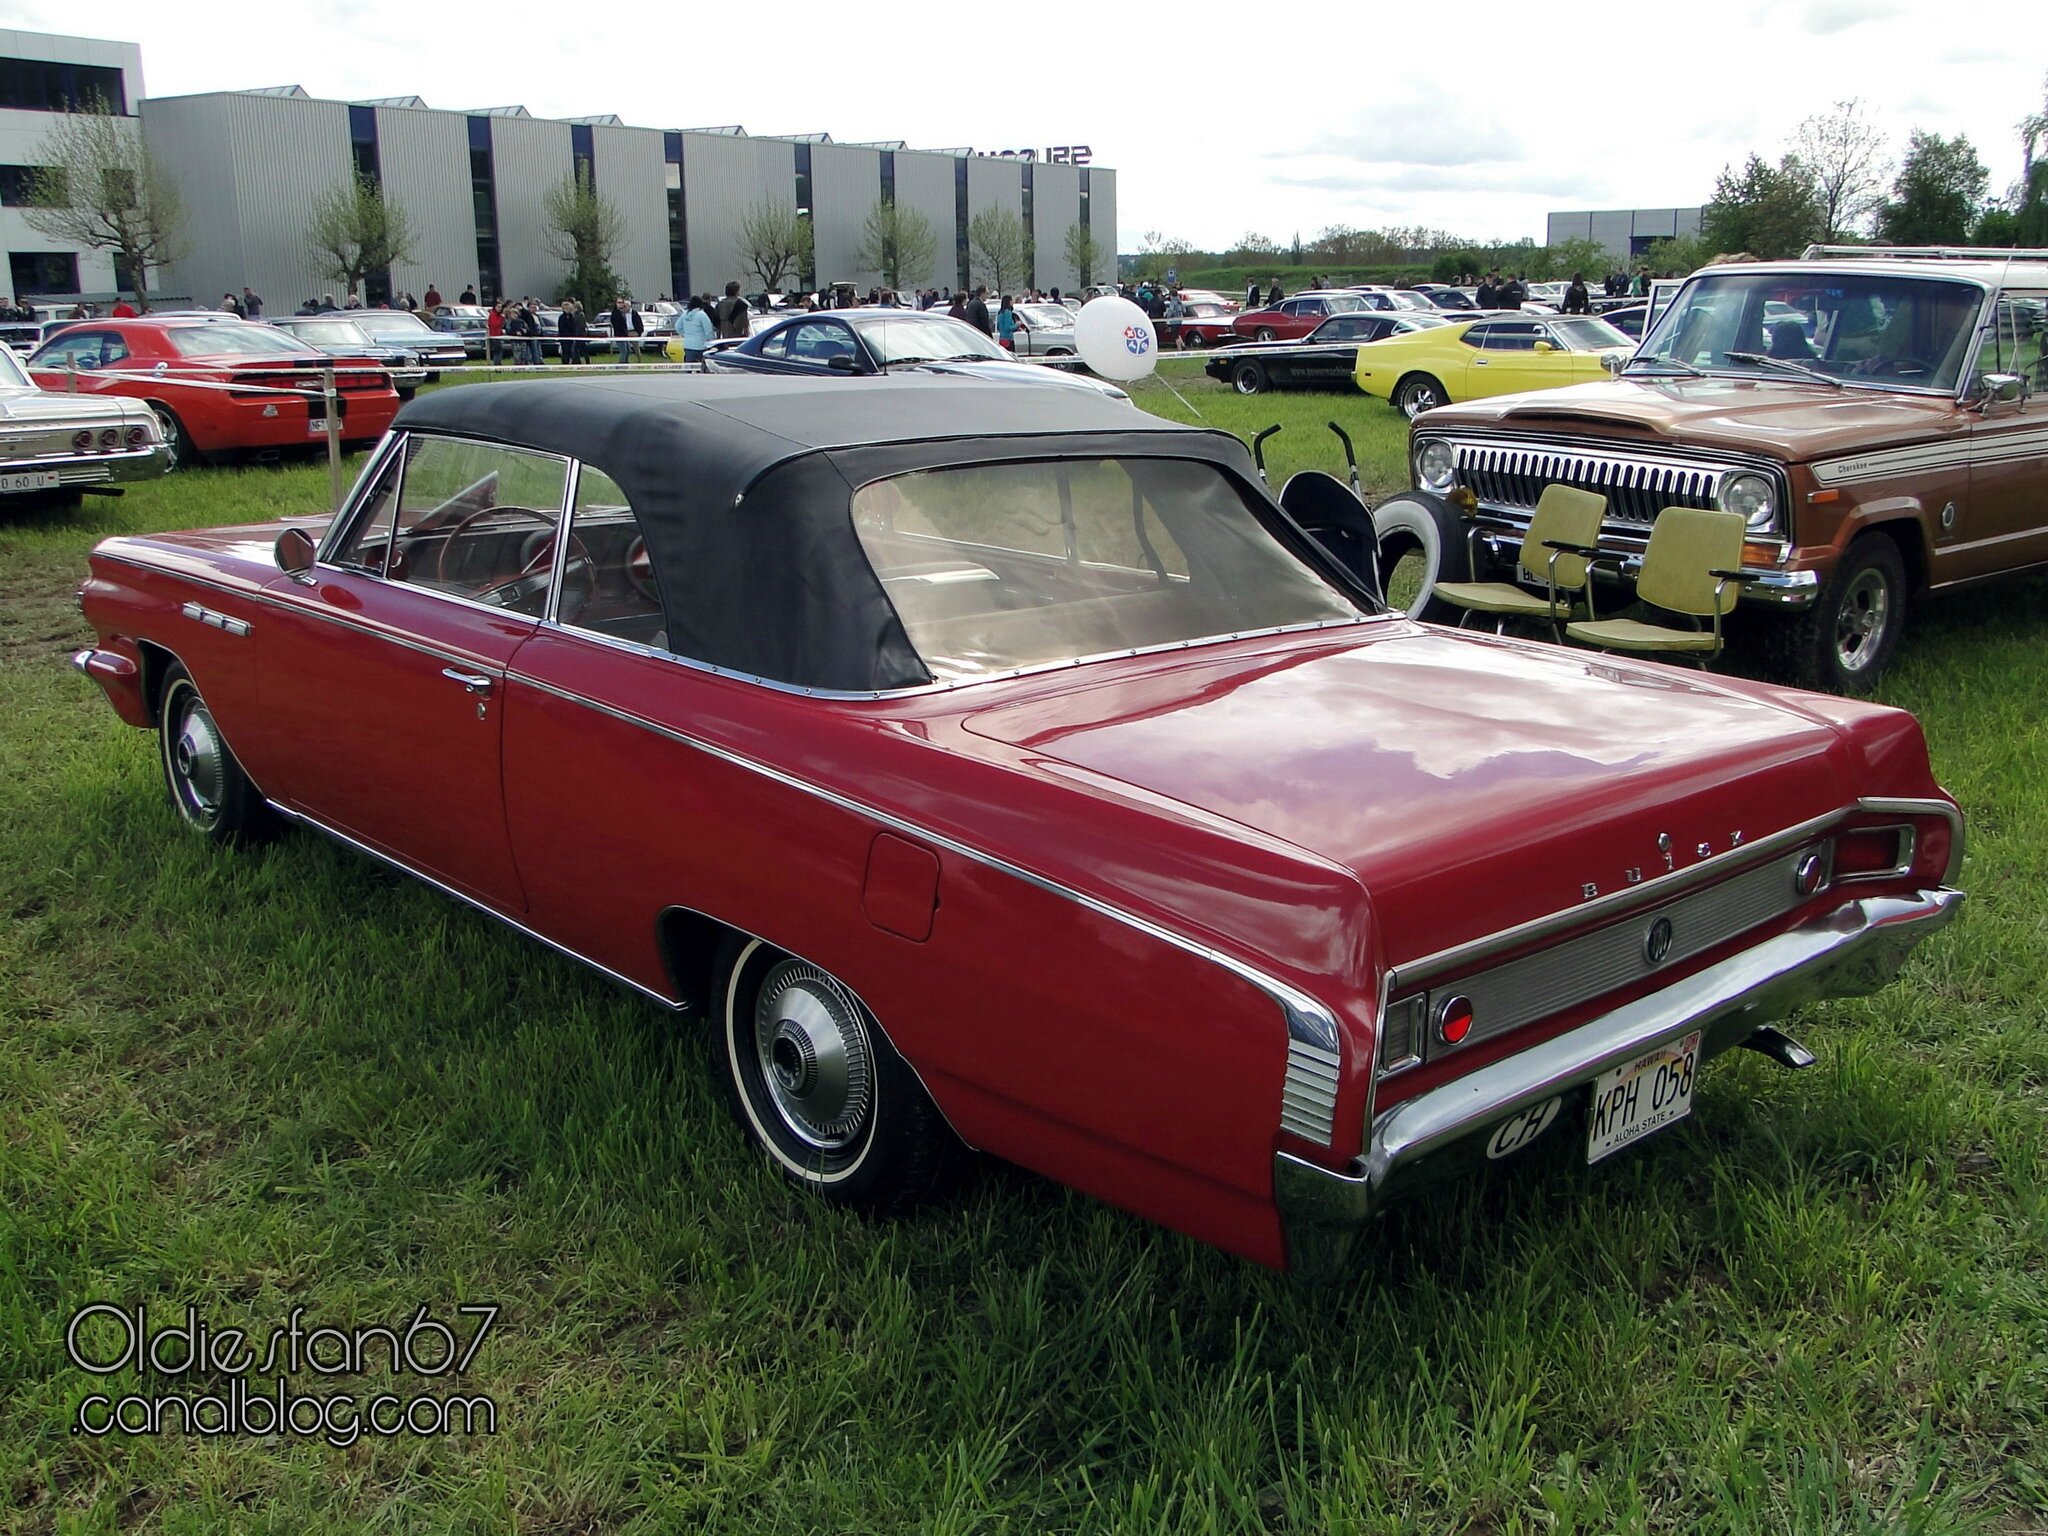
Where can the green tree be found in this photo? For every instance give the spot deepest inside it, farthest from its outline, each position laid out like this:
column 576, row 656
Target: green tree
column 585, row 229
column 1001, row 248
column 898, row 243
column 98, row 186
column 1083, row 252
column 1561, row 260
column 356, row 230
column 2030, row 197
column 1683, row 255
column 1938, row 194
column 774, row 243
column 1252, row 249
column 1764, row 210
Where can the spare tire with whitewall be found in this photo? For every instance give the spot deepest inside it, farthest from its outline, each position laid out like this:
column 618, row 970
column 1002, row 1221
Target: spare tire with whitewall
column 1421, row 542
column 1846, row 639
column 815, row 1083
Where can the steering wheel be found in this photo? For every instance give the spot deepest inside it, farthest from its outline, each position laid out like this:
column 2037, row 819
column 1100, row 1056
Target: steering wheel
column 640, row 570
column 536, row 556
column 1900, row 367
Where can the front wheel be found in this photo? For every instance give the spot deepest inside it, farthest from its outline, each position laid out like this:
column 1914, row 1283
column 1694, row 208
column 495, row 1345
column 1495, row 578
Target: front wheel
column 209, row 790
column 1419, row 392
column 818, row 1087
column 1247, row 378
column 1844, row 642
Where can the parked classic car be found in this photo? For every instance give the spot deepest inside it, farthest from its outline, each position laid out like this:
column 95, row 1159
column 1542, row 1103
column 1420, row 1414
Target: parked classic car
column 402, row 329
column 186, row 368
column 1325, row 359
column 1026, row 778
column 1873, row 415
column 1044, row 330
column 336, row 334
column 468, row 323
column 1496, row 355
column 53, row 447
column 865, row 343
column 1292, row 319
column 1204, row 323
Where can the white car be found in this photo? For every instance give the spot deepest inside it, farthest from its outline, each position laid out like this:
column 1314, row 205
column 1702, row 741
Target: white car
column 1045, row 330
column 53, row 444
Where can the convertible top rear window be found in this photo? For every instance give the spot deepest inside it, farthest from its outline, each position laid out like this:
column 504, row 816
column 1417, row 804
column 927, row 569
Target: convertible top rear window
column 996, row 567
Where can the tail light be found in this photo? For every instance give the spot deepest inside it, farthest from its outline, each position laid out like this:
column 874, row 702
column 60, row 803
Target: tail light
column 1865, row 852
column 110, row 439
column 137, row 436
column 1454, row 1020
column 82, row 439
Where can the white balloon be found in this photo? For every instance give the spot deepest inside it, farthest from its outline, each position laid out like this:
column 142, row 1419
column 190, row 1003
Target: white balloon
column 1116, row 339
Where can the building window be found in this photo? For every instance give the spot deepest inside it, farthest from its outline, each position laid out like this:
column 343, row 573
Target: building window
column 43, row 85
column 1030, row 234
column 17, row 184
column 889, row 178
column 40, row 272
column 803, row 208
column 1084, row 197
column 583, row 151
column 960, row 218
column 678, row 218
column 362, row 139
column 483, row 188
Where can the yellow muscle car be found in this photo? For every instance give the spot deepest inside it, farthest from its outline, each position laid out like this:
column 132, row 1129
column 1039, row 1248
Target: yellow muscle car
column 1499, row 354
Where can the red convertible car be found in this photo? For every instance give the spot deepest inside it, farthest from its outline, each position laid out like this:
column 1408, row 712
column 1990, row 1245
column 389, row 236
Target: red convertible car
column 1012, row 771
column 1292, row 319
column 212, row 382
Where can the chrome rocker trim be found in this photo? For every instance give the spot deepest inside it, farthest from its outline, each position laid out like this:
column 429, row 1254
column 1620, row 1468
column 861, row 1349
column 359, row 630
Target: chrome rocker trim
column 1848, row 952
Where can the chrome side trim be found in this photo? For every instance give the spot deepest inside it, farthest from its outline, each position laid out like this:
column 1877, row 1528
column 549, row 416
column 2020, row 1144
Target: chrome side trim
column 1308, row 1021
column 1847, row 952
column 471, row 901
column 1308, row 1098
column 1615, row 904
column 214, row 619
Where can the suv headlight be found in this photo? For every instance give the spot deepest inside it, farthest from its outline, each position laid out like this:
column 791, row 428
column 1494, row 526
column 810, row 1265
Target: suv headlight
column 1436, row 466
column 1753, row 496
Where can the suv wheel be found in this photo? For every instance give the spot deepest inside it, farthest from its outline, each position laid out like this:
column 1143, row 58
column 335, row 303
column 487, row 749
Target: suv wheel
column 1845, row 641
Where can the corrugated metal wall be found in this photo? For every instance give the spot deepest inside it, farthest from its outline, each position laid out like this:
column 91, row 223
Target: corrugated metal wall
column 1102, row 219
column 722, row 179
column 630, row 173
column 925, row 182
column 424, row 159
column 1055, row 209
column 846, row 183
column 531, row 156
column 285, row 155
column 187, row 134
column 994, row 183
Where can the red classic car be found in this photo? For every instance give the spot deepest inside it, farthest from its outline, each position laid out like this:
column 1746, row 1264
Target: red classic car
column 180, row 363
column 1292, row 319
column 1011, row 771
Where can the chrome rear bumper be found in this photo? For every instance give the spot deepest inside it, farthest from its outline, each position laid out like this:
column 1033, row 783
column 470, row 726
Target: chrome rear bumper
column 1853, row 950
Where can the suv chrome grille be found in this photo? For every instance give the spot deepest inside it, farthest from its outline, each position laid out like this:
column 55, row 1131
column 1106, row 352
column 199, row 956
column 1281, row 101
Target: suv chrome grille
column 1509, row 477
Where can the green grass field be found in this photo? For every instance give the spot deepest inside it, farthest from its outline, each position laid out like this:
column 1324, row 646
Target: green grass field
column 255, row 1083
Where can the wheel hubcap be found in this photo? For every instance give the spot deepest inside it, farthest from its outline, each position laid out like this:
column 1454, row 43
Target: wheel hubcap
column 1860, row 626
column 815, row 1056
column 198, row 763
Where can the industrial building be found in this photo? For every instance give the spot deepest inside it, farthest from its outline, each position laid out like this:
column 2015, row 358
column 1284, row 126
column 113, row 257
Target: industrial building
column 40, row 77
column 250, row 166
column 1623, row 231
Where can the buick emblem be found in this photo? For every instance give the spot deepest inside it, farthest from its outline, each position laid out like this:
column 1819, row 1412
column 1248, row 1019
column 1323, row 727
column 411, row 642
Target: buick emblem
column 1657, row 942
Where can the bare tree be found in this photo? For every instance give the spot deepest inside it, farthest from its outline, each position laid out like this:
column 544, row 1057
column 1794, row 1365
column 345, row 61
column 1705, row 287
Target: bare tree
column 774, row 242
column 897, row 242
column 355, row 230
column 97, row 185
column 1844, row 152
column 1002, row 250
column 1083, row 252
column 585, row 229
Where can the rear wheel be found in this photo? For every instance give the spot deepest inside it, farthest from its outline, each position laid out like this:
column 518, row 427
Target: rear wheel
column 1419, row 392
column 1191, row 340
column 1247, row 378
column 1262, row 333
column 818, row 1087
column 208, row 789
column 176, row 439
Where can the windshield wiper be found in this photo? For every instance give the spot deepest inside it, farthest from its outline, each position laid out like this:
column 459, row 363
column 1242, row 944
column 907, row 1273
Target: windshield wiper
column 1765, row 360
column 1678, row 363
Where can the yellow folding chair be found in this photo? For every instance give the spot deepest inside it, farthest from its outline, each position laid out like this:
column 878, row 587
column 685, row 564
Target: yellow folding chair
column 1693, row 567
column 1564, row 531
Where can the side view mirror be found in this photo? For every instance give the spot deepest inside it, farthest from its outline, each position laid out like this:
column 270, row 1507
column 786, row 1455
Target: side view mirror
column 294, row 552
column 1544, row 346
column 842, row 364
column 1613, row 362
column 2003, row 389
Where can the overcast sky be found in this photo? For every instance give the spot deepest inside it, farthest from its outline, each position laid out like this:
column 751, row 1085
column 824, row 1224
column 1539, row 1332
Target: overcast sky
column 1479, row 118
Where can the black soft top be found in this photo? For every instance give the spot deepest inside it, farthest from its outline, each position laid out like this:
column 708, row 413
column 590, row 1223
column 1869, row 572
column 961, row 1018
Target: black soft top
column 742, row 485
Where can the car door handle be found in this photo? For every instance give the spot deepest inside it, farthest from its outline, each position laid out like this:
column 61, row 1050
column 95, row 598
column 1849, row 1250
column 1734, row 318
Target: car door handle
column 472, row 682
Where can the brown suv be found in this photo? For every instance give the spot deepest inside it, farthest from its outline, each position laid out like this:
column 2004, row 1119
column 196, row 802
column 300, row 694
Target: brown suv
column 1870, row 411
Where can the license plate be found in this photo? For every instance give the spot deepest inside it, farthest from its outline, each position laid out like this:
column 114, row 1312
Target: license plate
column 1642, row 1096
column 317, row 427
column 29, row 480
